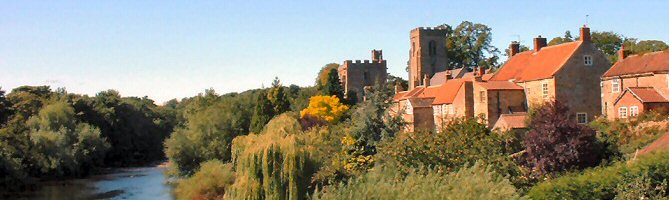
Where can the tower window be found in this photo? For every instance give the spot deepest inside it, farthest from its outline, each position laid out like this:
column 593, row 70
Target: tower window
column 432, row 48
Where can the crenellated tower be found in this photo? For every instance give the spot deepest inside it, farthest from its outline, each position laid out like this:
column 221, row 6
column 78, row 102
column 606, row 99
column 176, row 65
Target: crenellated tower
column 427, row 55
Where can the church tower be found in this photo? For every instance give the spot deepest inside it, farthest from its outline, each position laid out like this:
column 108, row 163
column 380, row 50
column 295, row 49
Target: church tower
column 427, row 55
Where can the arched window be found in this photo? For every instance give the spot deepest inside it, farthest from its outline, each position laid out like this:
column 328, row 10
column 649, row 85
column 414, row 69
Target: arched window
column 432, row 48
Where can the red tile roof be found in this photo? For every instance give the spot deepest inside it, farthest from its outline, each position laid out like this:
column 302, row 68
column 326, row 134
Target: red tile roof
column 511, row 121
column 399, row 95
column 447, row 91
column 499, row 85
column 647, row 94
column 639, row 64
column 531, row 65
column 661, row 143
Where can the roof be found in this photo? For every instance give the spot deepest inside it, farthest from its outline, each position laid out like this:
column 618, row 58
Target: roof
column 640, row 64
column 399, row 95
column 535, row 65
column 644, row 94
column 447, row 91
column 661, row 143
column 440, row 77
column 499, row 85
column 421, row 102
column 511, row 121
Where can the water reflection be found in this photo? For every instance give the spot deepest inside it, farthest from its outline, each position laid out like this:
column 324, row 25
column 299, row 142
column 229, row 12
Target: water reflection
column 129, row 183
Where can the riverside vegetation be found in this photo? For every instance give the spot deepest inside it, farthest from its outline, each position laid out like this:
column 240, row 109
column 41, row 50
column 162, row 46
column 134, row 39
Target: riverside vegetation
column 290, row 142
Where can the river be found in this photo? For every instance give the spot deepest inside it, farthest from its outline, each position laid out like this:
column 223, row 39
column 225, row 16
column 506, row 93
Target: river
column 145, row 183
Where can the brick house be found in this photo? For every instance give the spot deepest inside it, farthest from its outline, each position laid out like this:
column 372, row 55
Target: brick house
column 567, row 72
column 453, row 99
column 636, row 84
column 494, row 98
column 415, row 106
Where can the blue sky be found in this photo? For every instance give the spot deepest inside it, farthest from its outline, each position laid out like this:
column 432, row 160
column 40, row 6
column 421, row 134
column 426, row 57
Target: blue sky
column 169, row 49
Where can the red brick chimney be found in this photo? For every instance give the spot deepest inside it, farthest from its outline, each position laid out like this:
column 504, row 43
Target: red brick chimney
column 585, row 34
column 621, row 53
column 539, row 43
column 514, row 48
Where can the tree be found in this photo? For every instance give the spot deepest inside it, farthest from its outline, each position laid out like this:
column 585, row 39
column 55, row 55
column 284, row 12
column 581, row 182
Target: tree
column 5, row 106
column 559, row 40
column 647, row 46
column 327, row 108
column 556, row 143
column 262, row 113
column 507, row 51
column 333, row 85
column 609, row 43
column 470, row 45
column 324, row 74
column 278, row 97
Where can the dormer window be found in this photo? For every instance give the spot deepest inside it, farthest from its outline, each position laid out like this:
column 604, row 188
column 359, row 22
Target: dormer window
column 587, row 60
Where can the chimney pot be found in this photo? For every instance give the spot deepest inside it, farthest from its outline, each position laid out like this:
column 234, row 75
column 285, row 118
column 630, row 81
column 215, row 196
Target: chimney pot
column 426, row 81
column 539, row 43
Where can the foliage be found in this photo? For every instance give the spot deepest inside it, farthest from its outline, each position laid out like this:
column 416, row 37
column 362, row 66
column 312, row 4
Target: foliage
column 651, row 171
column 209, row 132
column 333, row 85
column 475, row 182
column 626, row 136
column 60, row 145
column 299, row 97
column 559, row 40
column 357, row 154
column 5, row 107
column 324, row 74
column 274, row 164
column 212, row 181
column 327, row 108
column 556, row 143
column 522, row 48
column 371, row 120
column 278, row 97
column 470, row 45
column 262, row 113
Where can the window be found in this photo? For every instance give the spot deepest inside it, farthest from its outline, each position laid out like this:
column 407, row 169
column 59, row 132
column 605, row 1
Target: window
column 622, row 112
column 432, row 48
column 365, row 77
column 587, row 60
column 437, row 110
column 634, row 111
column 581, row 118
column 544, row 90
column 615, row 85
column 407, row 108
column 482, row 96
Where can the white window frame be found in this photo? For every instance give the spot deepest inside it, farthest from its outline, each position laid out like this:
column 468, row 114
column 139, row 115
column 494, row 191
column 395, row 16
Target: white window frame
column 622, row 112
column 634, row 111
column 585, row 117
column 544, row 90
column 615, row 85
column 587, row 60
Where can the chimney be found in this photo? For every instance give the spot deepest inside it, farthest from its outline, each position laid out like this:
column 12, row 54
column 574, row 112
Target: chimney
column 539, row 43
column 447, row 75
column 585, row 34
column 514, row 48
column 621, row 53
column 481, row 70
column 426, row 81
column 377, row 55
column 398, row 88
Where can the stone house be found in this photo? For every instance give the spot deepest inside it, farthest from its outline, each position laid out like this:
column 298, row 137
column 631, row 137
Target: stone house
column 415, row 107
column 566, row 72
column 494, row 98
column 355, row 76
column 636, row 84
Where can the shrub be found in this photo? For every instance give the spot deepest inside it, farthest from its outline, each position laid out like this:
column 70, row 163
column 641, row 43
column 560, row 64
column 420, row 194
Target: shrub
column 211, row 181
column 605, row 182
column 476, row 182
column 556, row 143
column 327, row 108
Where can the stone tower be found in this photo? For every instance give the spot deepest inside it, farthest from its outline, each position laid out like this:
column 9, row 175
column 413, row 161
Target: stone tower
column 427, row 55
column 355, row 76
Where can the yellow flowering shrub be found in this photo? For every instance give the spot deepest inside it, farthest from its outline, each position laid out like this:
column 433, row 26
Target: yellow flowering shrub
column 327, row 108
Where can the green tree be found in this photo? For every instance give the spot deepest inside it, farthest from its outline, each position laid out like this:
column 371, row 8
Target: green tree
column 324, row 74
column 559, row 40
column 277, row 95
column 5, row 107
column 262, row 113
column 333, row 85
column 647, row 46
column 470, row 45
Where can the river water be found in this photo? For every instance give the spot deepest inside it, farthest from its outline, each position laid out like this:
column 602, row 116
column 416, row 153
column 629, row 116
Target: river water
column 146, row 183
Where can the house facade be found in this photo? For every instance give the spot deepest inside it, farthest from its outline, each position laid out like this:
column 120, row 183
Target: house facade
column 636, row 84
